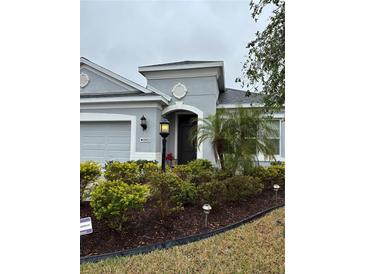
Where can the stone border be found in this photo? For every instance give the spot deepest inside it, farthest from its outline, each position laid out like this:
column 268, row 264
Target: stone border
column 176, row 242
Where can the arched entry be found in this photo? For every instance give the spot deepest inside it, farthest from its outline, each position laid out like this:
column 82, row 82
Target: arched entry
column 182, row 119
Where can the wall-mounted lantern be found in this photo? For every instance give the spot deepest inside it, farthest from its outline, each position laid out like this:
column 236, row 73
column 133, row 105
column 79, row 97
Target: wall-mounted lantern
column 164, row 132
column 143, row 122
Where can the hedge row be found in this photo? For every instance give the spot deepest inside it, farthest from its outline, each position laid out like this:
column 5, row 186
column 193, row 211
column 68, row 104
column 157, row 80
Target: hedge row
column 131, row 184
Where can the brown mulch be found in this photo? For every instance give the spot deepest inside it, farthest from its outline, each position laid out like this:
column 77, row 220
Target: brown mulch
column 144, row 227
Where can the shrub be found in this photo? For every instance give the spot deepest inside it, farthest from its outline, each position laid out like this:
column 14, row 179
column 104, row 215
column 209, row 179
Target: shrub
column 270, row 175
column 142, row 163
column 242, row 187
column 165, row 187
column 183, row 171
column 201, row 171
column 187, row 193
column 200, row 164
column 111, row 200
column 202, row 176
column 220, row 174
column 213, row 192
column 277, row 174
column 148, row 169
column 90, row 171
column 277, row 163
column 127, row 172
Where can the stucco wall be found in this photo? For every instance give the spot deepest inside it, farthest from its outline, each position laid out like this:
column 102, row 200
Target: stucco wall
column 99, row 83
column 202, row 93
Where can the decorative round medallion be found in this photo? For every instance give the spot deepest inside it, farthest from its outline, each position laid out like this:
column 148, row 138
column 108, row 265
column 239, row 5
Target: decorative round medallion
column 84, row 79
column 179, row 91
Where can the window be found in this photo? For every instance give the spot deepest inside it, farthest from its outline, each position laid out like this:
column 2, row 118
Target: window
column 275, row 138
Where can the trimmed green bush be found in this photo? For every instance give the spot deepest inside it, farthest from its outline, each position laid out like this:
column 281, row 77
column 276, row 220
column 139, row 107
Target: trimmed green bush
column 200, row 164
column 220, row 174
column 242, row 187
column 277, row 174
column 270, row 175
column 213, row 192
column 90, row 171
column 187, row 194
column 197, row 171
column 111, row 200
column 142, row 163
column 127, row 172
column 165, row 188
column 183, row 171
column 147, row 170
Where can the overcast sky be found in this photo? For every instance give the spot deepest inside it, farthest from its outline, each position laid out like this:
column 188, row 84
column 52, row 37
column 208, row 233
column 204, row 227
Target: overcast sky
column 122, row 35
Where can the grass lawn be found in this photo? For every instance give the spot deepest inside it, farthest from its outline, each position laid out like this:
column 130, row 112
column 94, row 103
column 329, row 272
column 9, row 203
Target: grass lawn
column 257, row 247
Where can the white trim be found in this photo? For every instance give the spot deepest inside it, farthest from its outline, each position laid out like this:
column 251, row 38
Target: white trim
column 120, row 105
column 179, row 97
column 180, row 66
column 182, row 106
column 123, row 99
column 95, row 117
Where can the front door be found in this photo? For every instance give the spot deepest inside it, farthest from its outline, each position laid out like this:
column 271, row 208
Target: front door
column 186, row 148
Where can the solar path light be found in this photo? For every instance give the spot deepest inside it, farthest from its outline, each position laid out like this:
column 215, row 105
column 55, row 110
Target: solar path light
column 276, row 189
column 207, row 208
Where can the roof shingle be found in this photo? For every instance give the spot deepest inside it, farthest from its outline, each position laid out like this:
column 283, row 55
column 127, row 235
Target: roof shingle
column 235, row 96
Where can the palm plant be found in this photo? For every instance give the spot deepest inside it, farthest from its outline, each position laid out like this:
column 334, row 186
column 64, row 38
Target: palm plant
column 249, row 133
column 212, row 128
column 237, row 137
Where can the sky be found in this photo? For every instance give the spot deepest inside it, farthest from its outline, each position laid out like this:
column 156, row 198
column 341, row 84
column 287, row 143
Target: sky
column 123, row 35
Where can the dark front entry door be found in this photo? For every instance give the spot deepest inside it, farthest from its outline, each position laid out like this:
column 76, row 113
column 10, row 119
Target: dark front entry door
column 186, row 148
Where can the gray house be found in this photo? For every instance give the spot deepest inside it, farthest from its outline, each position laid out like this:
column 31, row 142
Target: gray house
column 111, row 108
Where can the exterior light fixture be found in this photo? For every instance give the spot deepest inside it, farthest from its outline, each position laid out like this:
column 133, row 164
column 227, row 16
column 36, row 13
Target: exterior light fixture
column 207, row 208
column 276, row 189
column 164, row 132
column 143, row 122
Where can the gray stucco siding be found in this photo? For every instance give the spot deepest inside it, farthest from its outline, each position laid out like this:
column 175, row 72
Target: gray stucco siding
column 196, row 86
column 103, row 84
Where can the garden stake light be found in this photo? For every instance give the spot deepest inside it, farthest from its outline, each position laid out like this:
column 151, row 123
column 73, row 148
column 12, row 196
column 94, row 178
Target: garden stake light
column 276, row 188
column 164, row 132
column 207, row 208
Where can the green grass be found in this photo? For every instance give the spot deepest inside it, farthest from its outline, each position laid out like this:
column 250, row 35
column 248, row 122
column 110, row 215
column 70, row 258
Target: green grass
column 257, row 247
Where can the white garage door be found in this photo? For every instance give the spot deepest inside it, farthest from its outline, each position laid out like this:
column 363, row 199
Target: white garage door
column 105, row 141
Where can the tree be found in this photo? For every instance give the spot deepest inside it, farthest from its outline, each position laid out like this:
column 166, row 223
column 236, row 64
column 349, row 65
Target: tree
column 264, row 68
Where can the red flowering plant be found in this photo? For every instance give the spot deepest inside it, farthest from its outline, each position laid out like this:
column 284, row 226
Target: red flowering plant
column 170, row 157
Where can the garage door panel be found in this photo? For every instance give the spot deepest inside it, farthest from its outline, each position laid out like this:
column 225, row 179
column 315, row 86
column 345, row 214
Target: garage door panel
column 118, row 139
column 105, row 141
column 93, row 146
column 93, row 153
column 117, row 147
column 93, row 139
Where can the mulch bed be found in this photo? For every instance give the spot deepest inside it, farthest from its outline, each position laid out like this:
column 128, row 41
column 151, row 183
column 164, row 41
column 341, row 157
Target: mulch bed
column 144, row 228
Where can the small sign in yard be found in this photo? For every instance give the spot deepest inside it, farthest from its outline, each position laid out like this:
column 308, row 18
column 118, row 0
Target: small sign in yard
column 85, row 226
